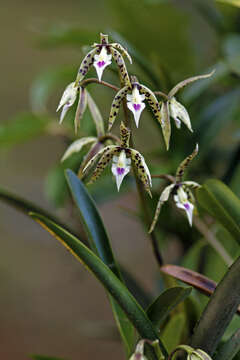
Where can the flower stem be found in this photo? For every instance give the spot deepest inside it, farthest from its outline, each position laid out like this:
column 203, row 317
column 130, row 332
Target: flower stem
column 86, row 82
column 141, row 195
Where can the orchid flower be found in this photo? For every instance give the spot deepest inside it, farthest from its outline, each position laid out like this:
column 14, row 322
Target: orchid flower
column 181, row 191
column 135, row 94
column 170, row 107
column 67, row 100
column 101, row 56
column 123, row 158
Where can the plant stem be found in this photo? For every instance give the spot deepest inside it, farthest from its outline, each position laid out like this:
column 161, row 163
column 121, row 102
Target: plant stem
column 212, row 240
column 86, row 82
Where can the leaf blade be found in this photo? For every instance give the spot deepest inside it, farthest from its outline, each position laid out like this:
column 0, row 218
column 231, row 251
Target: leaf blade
column 107, row 278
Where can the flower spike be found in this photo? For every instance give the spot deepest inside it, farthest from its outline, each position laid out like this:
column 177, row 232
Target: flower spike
column 101, row 56
column 122, row 158
column 67, row 100
column 181, row 191
column 135, row 94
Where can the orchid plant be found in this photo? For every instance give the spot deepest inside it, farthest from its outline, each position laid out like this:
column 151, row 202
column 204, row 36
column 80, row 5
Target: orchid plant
column 140, row 328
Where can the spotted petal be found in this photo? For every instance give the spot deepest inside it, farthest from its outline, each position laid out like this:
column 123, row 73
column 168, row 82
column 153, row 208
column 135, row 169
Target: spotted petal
column 188, row 81
column 125, row 135
column 164, row 197
column 152, row 101
column 142, row 169
column 184, row 164
column 77, row 146
column 116, row 105
column 179, row 113
column 103, row 162
column 86, row 64
column 93, row 160
column 122, row 50
column 125, row 80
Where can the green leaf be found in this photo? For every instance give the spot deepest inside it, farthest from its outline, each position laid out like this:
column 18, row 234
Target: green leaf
column 100, row 244
column 22, row 128
column 165, row 303
column 222, row 204
column 218, row 312
column 108, row 279
column 230, row 348
column 172, row 333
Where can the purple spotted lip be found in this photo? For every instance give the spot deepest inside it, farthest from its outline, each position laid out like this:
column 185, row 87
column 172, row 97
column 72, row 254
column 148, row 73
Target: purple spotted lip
column 100, row 63
column 136, row 107
column 120, row 171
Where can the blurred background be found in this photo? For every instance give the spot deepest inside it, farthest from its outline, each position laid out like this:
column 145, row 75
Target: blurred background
column 48, row 303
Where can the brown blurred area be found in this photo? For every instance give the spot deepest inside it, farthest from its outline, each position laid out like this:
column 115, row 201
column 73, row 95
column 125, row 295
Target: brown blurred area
column 48, row 303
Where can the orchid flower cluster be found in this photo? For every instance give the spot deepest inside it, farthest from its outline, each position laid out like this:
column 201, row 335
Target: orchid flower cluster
column 106, row 147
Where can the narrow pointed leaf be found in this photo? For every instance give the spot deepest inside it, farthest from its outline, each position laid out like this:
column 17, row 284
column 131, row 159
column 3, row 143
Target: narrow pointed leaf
column 165, row 303
column 219, row 311
column 100, row 244
column 222, row 204
column 230, row 348
column 106, row 277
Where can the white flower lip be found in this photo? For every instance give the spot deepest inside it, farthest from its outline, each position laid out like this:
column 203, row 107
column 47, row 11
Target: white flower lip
column 101, row 61
column 135, row 104
column 182, row 202
column 120, row 167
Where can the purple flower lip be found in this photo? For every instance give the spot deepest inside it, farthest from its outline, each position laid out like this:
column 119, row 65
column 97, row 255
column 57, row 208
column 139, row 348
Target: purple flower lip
column 136, row 107
column 120, row 171
column 187, row 207
column 100, row 63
